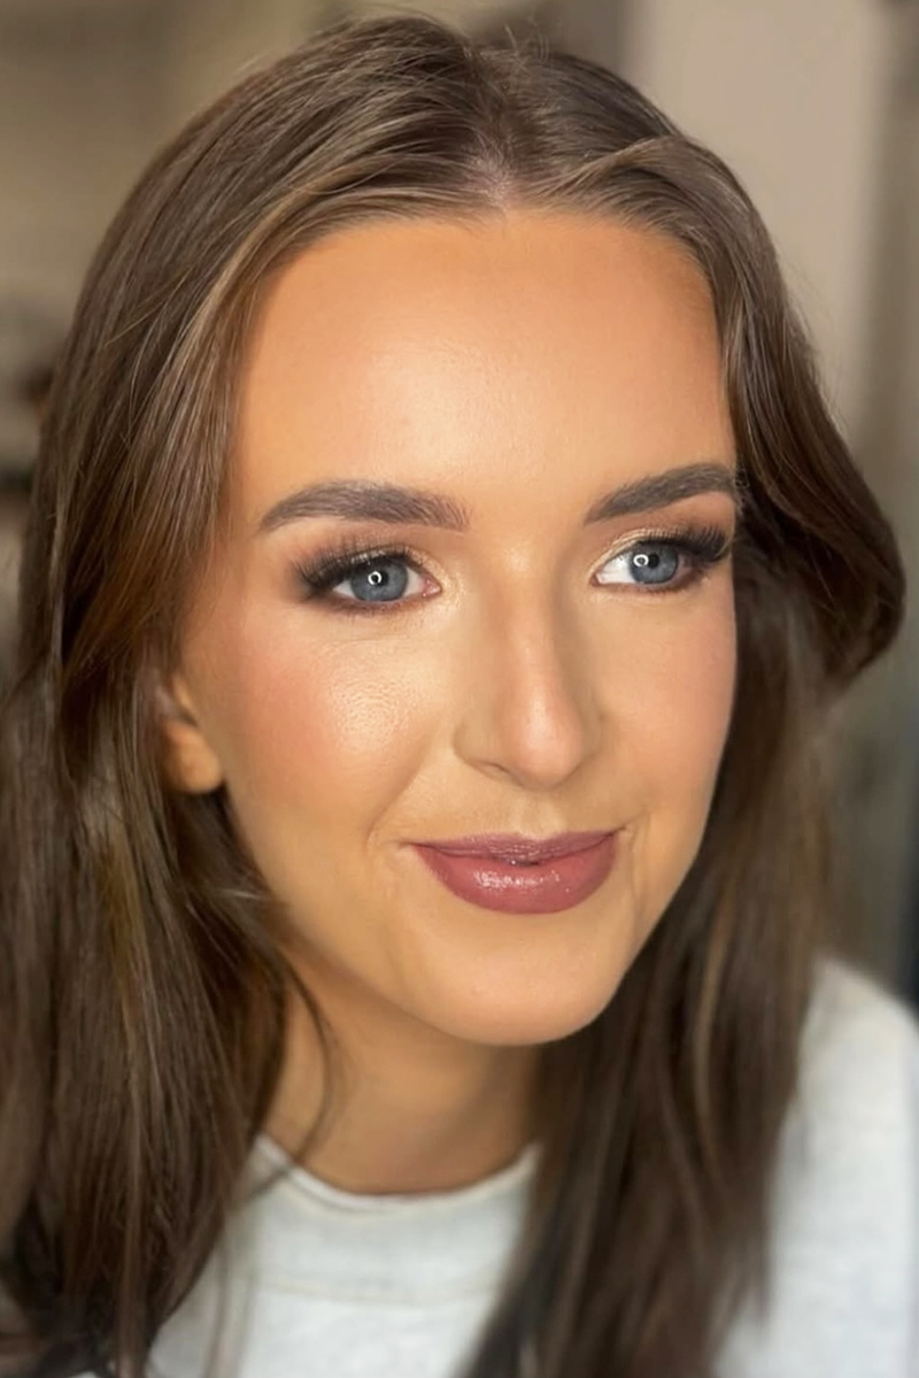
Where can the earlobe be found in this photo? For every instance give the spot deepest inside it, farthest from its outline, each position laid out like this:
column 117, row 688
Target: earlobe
column 192, row 765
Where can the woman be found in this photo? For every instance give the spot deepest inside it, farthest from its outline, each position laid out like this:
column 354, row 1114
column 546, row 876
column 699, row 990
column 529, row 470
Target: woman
column 440, row 566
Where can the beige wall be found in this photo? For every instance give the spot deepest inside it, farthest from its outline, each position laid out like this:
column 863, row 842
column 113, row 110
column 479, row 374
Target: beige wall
column 78, row 114
column 792, row 93
column 212, row 42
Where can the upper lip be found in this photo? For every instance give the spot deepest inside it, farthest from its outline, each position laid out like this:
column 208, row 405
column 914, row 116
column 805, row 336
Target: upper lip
column 517, row 847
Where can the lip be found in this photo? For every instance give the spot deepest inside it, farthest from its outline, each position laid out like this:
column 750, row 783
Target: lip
column 515, row 847
column 544, row 886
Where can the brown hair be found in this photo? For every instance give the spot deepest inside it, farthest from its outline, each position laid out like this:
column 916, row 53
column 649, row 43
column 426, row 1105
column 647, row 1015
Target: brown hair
column 142, row 996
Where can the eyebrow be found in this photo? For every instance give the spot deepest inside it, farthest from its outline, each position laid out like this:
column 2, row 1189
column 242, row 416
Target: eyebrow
column 365, row 500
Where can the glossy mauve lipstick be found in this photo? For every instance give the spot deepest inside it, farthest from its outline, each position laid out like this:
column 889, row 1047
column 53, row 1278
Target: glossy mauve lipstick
column 524, row 886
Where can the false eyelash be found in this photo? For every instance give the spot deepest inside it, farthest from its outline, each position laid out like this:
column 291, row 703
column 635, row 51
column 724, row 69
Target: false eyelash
column 701, row 546
column 333, row 563
column 705, row 545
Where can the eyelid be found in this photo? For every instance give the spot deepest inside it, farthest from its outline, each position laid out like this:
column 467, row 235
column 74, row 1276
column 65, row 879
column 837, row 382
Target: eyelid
column 353, row 551
column 682, row 529
column 356, row 548
column 684, row 532
column 334, row 562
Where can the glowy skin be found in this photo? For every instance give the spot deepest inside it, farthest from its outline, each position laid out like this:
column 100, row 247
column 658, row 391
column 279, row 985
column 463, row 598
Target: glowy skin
column 522, row 366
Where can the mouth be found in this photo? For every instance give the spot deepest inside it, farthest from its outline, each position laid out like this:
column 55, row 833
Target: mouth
column 523, row 875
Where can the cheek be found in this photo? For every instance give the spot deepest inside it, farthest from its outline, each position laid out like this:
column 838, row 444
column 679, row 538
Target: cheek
column 688, row 705
column 311, row 725
column 682, row 673
column 674, row 722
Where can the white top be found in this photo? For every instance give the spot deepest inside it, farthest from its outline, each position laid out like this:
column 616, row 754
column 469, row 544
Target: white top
column 330, row 1284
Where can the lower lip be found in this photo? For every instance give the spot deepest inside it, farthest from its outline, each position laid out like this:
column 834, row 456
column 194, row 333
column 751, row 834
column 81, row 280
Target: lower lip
column 558, row 883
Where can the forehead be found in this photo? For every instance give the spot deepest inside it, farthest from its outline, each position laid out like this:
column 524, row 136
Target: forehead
column 419, row 350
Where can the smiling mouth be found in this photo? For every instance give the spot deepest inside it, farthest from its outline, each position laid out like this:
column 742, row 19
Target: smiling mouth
column 523, row 884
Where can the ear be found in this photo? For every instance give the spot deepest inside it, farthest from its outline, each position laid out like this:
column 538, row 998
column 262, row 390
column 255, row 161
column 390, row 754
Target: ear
column 192, row 764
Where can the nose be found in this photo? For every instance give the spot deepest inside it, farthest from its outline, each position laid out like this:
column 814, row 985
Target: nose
column 530, row 706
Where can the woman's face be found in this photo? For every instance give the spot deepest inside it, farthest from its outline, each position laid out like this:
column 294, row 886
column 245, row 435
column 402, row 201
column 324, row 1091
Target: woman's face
column 524, row 669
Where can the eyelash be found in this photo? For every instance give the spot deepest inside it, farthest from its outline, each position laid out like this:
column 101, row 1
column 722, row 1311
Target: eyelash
column 701, row 547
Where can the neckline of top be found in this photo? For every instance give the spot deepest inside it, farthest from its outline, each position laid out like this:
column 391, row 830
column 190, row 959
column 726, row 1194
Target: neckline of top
column 505, row 1181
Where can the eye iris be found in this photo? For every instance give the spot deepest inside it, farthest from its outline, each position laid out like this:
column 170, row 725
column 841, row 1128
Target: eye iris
column 380, row 586
column 655, row 566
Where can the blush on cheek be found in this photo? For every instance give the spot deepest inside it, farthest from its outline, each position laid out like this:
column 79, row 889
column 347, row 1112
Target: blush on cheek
column 318, row 726
column 709, row 689
column 702, row 715
column 678, row 767
column 680, row 686
column 673, row 726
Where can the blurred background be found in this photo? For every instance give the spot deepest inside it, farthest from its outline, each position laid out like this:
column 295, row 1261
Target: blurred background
column 816, row 107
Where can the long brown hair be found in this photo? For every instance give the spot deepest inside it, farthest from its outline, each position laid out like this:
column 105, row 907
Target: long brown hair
column 142, row 995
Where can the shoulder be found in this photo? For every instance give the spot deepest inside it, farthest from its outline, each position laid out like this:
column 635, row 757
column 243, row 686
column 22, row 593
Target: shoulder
column 844, row 1284
column 849, row 1167
column 857, row 1103
column 852, row 1139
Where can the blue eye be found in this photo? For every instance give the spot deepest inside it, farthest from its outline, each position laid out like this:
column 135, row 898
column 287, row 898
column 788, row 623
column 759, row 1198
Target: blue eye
column 376, row 577
column 380, row 578
column 649, row 563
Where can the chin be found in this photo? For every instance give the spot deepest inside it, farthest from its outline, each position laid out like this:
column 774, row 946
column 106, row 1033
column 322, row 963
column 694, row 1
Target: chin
column 533, row 1017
